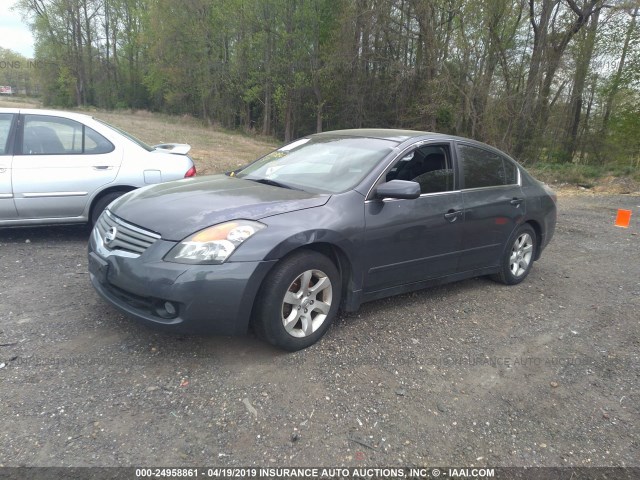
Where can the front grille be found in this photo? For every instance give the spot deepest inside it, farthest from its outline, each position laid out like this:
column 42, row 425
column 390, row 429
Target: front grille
column 117, row 234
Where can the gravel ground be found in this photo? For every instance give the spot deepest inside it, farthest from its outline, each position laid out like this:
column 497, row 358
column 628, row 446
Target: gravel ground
column 475, row 373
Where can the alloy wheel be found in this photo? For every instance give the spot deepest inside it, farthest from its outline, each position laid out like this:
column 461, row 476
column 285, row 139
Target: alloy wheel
column 306, row 303
column 521, row 254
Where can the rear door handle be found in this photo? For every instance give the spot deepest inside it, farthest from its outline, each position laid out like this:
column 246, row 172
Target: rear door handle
column 102, row 167
column 516, row 201
column 452, row 215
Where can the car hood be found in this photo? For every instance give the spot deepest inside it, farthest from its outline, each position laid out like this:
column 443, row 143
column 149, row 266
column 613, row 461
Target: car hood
column 177, row 209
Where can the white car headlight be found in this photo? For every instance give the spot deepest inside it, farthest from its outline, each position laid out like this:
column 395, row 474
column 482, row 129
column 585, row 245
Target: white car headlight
column 213, row 245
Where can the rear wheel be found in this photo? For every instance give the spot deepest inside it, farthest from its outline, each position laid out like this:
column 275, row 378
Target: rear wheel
column 298, row 301
column 101, row 204
column 518, row 258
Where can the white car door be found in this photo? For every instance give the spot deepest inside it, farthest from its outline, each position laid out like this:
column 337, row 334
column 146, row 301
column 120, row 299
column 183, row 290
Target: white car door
column 59, row 164
column 7, row 207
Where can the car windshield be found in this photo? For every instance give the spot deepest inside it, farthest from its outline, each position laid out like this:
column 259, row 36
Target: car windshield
column 135, row 140
column 319, row 164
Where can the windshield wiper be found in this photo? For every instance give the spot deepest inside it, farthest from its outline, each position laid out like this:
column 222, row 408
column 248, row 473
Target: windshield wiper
column 268, row 181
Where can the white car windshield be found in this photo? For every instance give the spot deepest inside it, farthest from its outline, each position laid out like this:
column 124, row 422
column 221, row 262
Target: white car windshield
column 319, row 165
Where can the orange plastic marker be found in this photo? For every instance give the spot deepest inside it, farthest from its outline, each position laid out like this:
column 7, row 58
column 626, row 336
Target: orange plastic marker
column 623, row 218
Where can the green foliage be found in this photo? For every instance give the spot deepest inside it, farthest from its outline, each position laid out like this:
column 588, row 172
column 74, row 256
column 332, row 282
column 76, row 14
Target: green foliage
column 18, row 72
column 444, row 120
column 623, row 141
column 63, row 92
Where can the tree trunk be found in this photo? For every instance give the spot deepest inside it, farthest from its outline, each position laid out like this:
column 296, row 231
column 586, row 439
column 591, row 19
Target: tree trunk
column 582, row 67
column 526, row 118
column 587, row 117
column 266, row 122
column 88, row 29
column 288, row 118
column 107, row 33
column 268, row 92
column 616, row 79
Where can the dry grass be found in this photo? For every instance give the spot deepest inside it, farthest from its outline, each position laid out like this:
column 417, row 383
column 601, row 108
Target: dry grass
column 18, row 102
column 214, row 150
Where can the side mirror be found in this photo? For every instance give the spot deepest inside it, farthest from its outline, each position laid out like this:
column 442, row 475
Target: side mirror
column 398, row 189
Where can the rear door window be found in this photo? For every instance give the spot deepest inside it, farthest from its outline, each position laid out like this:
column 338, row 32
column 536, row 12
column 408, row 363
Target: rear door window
column 47, row 135
column 483, row 168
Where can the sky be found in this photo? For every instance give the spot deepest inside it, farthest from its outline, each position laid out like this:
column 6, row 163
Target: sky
column 14, row 33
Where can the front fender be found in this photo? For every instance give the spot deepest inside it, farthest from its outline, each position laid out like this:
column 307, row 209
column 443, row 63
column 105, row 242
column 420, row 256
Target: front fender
column 338, row 223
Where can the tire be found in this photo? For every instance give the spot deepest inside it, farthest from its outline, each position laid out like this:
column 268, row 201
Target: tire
column 101, row 204
column 519, row 256
column 290, row 315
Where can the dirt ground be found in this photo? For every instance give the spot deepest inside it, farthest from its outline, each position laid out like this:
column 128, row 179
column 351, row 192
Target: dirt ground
column 545, row 373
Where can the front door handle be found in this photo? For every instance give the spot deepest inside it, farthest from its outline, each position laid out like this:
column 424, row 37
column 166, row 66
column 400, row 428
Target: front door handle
column 102, row 167
column 516, row 201
column 452, row 215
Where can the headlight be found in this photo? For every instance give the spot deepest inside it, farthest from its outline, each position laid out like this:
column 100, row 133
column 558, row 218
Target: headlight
column 213, row 245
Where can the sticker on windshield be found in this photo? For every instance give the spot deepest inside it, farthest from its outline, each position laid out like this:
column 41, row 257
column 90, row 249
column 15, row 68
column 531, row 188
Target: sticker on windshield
column 293, row 145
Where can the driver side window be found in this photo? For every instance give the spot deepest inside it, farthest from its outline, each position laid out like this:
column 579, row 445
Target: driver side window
column 429, row 165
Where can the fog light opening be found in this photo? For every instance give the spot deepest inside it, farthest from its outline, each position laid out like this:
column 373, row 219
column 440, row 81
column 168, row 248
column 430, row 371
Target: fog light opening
column 166, row 309
column 170, row 308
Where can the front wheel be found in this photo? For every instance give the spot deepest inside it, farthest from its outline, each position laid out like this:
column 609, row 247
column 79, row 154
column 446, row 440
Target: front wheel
column 298, row 301
column 102, row 203
column 518, row 258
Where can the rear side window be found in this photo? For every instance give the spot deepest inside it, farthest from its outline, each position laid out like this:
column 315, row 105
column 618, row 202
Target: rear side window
column 483, row 168
column 95, row 143
column 5, row 128
column 46, row 135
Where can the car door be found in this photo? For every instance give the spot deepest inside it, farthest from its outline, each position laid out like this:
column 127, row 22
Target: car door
column 408, row 241
column 59, row 164
column 493, row 203
column 7, row 206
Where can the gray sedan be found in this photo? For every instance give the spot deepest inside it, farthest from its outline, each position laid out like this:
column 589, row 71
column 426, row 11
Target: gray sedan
column 60, row 167
column 327, row 222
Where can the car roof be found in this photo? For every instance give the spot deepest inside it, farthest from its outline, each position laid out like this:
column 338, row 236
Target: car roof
column 392, row 134
column 399, row 136
column 395, row 135
column 55, row 113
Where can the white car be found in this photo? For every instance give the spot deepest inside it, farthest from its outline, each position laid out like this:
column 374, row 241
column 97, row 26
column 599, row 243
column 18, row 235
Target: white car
column 61, row 167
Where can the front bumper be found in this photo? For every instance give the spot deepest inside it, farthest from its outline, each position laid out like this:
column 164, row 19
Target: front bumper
column 213, row 299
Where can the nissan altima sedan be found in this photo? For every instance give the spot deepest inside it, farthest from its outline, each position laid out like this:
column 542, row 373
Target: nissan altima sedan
column 324, row 223
column 61, row 167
